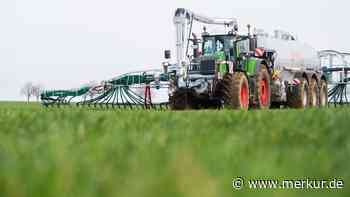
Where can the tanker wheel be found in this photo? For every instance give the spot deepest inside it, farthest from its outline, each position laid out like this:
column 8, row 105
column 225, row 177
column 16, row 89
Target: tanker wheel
column 298, row 97
column 235, row 91
column 323, row 93
column 181, row 100
column 262, row 89
column 313, row 93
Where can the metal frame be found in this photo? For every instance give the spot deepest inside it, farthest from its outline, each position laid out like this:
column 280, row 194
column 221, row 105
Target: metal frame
column 338, row 90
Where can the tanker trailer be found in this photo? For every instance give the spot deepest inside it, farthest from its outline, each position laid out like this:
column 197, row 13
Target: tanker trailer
column 244, row 71
column 297, row 79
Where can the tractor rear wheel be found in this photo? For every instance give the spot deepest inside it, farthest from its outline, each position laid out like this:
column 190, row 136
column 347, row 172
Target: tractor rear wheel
column 235, row 91
column 181, row 99
column 313, row 93
column 323, row 93
column 262, row 89
column 298, row 96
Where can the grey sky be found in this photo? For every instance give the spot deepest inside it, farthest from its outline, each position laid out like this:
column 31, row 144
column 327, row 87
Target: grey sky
column 64, row 43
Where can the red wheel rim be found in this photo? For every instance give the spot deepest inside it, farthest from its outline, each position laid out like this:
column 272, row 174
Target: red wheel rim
column 244, row 95
column 264, row 95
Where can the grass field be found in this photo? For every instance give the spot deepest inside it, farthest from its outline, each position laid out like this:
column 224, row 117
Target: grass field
column 83, row 152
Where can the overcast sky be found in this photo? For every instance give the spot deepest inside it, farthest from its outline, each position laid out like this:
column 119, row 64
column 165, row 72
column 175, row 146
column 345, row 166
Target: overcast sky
column 65, row 43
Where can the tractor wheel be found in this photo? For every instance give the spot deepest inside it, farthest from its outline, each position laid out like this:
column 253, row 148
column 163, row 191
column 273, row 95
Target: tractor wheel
column 206, row 103
column 235, row 91
column 298, row 96
column 323, row 94
column 262, row 89
column 181, row 100
column 313, row 93
column 275, row 105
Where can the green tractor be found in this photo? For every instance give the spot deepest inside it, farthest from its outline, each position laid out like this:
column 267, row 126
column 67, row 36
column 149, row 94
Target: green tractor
column 226, row 74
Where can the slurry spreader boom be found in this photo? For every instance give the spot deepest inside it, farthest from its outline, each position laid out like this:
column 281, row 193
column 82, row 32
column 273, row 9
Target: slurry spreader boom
column 225, row 70
column 123, row 91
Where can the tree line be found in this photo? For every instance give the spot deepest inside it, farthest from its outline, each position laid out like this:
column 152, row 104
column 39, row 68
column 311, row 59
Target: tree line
column 30, row 90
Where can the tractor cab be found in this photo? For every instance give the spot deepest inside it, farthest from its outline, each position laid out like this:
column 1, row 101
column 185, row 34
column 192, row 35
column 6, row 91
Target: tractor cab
column 214, row 48
column 221, row 49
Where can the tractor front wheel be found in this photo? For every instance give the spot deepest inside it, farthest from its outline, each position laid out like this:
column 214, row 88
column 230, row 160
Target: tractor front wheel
column 181, row 99
column 235, row 91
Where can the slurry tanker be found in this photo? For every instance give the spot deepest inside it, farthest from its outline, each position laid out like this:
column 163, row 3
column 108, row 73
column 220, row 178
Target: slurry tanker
column 236, row 71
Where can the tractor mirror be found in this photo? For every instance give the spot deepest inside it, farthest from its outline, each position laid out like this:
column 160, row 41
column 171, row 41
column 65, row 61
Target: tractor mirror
column 167, row 54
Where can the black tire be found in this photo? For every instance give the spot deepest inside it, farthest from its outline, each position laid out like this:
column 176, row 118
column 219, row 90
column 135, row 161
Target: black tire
column 234, row 89
column 181, row 99
column 275, row 105
column 323, row 93
column 297, row 97
column 262, row 97
column 313, row 93
column 206, row 103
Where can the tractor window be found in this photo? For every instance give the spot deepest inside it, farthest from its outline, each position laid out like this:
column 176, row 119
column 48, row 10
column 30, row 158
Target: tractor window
column 219, row 45
column 243, row 46
column 208, row 47
column 230, row 43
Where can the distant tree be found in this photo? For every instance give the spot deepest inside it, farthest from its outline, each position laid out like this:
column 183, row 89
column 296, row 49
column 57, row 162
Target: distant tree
column 27, row 90
column 36, row 91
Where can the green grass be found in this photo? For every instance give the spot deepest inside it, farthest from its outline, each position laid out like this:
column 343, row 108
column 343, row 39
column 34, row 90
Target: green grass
column 83, row 152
